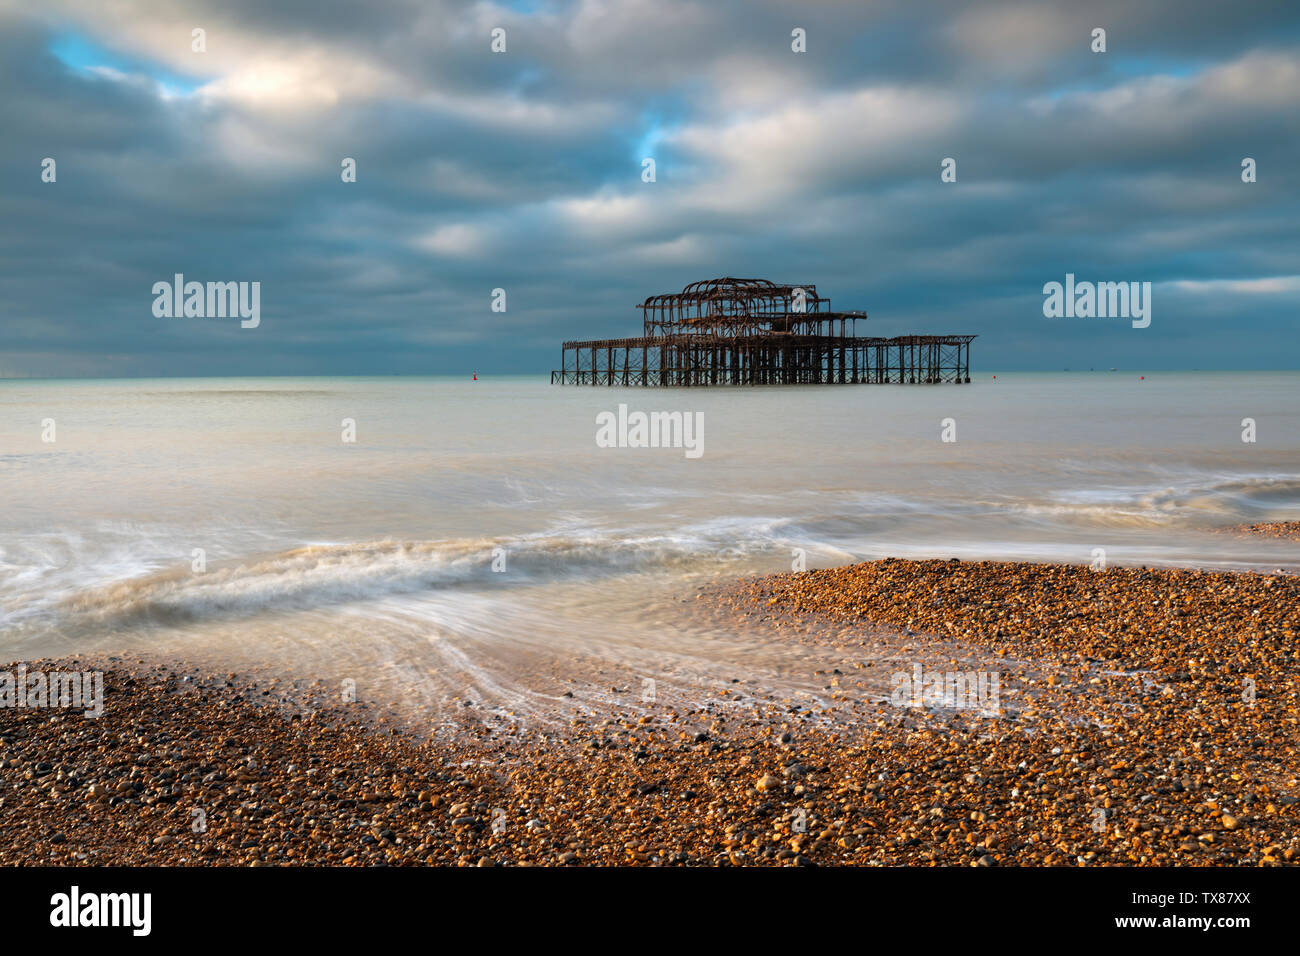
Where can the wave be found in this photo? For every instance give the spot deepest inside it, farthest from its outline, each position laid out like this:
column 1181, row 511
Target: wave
column 1216, row 499
column 54, row 582
column 332, row 574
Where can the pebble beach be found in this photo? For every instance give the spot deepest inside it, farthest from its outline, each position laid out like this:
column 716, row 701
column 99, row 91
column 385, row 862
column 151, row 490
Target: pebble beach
column 1147, row 717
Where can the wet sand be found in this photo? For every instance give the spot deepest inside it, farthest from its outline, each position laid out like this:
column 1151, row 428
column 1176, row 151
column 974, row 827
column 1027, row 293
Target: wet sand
column 1141, row 717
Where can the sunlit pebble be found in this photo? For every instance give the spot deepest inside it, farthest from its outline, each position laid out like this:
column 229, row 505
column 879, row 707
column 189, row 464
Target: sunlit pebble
column 691, row 800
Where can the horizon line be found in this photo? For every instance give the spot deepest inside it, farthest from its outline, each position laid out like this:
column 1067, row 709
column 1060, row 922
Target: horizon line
column 474, row 372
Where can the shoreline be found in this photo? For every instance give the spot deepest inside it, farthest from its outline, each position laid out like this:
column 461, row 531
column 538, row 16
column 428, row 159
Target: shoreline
column 1126, row 733
column 1286, row 530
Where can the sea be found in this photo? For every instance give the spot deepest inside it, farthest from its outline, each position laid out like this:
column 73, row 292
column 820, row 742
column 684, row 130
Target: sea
column 451, row 542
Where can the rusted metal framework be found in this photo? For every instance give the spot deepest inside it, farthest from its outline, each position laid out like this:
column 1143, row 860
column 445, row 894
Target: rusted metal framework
column 754, row 332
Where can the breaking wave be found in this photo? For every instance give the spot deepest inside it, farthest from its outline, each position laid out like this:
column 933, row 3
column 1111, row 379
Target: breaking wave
column 1207, row 500
column 123, row 588
column 332, row 574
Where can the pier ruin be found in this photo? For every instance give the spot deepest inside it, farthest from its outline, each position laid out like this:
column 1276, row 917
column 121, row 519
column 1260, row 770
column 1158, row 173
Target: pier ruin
column 754, row 332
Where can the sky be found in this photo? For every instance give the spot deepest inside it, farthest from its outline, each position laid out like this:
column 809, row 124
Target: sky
column 523, row 170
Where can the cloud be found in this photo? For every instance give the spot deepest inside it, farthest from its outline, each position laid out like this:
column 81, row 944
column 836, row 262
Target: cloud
column 457, row 240
column 1274, row 285
column 522, row 171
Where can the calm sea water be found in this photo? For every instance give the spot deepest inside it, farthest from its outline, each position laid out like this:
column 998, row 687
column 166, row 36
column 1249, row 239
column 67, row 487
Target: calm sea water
column 376, row 556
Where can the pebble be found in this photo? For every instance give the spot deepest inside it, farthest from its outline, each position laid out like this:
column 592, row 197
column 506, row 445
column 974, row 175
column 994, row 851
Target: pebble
column 336, row 790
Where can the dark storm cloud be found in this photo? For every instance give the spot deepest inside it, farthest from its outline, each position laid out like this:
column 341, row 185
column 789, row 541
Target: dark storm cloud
column 522, row 171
